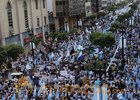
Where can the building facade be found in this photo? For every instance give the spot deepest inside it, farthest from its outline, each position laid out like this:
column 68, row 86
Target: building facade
column 67, row 13
column 106, row 3
column 18, row 16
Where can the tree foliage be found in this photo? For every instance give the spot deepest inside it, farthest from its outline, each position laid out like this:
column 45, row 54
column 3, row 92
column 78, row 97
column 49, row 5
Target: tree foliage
column 37, row 41
column 128, row 14
column 112, row 8
column 3, row 55
column 14, row 50
column 133, row 6
column 101, row 14
column 75, row 30
column 62, row 36
column 59, row 35
column 114, row 27
column 91, row 17
column 101, row 39
column 95, row 65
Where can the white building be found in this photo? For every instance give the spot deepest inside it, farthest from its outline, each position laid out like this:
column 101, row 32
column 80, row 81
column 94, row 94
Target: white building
column 17, row 16
column 49, row 5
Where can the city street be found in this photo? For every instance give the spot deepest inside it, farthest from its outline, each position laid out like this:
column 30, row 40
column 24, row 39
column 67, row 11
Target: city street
column 71, row 66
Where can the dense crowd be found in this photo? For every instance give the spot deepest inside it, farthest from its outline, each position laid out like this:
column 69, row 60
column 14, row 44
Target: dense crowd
column 57, row 71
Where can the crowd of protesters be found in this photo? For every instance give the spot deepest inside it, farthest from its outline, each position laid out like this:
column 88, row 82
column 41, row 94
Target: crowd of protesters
column 57, row 71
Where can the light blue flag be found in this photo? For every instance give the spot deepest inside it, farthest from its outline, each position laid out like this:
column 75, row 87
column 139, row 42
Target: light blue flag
column 38, row 94
column 35, row 61
column 10, row 76
column 98, row 82
column 13, row 97
column 20, row 93
column 104, row 93
column 53, row 93
column 72, row 59
column 3, row 98
column 50, row 96
column 34, row 93
column 99, row 96
column 25, row 97
column 95, row 93
column 30, row 80
column 57, row 93
column 40, row 60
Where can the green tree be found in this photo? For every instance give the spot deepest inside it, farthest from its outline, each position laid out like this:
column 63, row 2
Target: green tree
column 93, row 36
column 133, row 6
column 100, row 65
column 73, row 31
column 14, row 50
column 101, row 14
column 89, row 67
column 121, row 18
column 101, row 39
column 112, row 8
column 62, row 36
column 59, row 35
column 114, row 27
column 37, row 41
column 91, row 17
column 3, row 55
column 54, row 35
column 95, row 65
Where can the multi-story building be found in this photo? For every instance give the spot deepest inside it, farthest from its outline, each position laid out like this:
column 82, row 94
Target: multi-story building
column 67, row 13
column 96, row 5
column 17, row 16
column 104, row 3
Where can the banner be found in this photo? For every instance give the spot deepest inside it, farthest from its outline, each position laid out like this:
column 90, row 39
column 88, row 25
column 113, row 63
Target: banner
column 88, row 10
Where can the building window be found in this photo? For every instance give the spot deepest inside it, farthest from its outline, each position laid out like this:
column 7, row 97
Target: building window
column 9, row 13
column 43, row 3
column 26, row 15
column 38, row 23
column 45, row 21
column 36, row 3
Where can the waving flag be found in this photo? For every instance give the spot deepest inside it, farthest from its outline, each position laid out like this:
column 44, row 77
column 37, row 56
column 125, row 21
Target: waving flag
column 58, row 61
column 80, row 54
column 72, row 59
column 95, row 93
column 3, row 98
column 99, row 96
column 67, row 54
column 104, row 93
column 57, row 93
column 34, row 93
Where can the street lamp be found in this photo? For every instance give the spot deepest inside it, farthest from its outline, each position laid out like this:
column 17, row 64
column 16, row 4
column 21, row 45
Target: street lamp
column 123, row 60
column 131, row 24
column 31, row 41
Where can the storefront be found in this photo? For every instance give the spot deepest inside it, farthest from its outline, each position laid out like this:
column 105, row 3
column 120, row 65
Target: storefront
column 26, row 38
column 39, row 32
column 14, row 39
